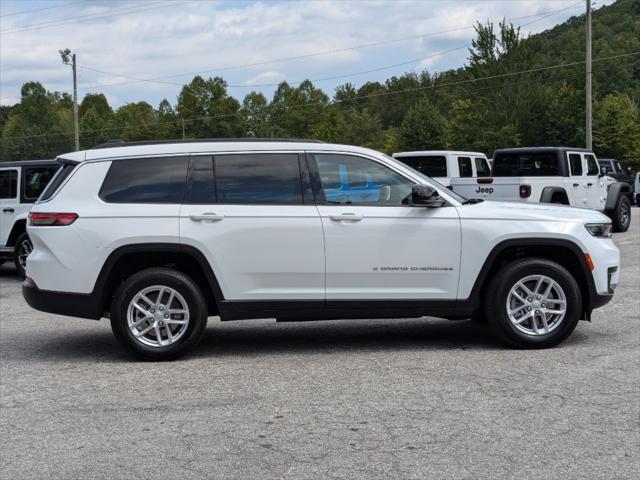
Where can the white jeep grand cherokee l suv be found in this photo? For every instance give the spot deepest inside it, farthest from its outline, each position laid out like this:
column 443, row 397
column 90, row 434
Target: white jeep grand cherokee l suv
column 159, row 236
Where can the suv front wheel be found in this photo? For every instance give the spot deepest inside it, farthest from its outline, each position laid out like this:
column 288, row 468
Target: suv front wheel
column 533, row 303
column 158, row 314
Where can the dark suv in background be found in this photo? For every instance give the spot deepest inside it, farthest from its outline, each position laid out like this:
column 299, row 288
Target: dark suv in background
column 616, row 169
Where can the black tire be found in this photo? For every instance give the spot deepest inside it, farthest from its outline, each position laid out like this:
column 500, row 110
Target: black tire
column 20, row 253
column 621, row 215
column 498, row 291
column 176, row 280
column 638, row 199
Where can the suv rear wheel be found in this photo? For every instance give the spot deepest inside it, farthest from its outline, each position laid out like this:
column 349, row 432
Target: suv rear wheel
column 20, row 253
column 533, row 303
column 158, row 314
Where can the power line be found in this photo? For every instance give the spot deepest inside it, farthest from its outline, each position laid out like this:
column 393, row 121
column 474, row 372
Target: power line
column 359, row 97
column 163, row 79
column 24, row 12
column 93, row 16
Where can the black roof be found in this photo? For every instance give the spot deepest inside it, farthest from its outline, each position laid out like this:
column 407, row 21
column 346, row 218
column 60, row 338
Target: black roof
column 29, row 163
column 541, row 149
column 122, row 143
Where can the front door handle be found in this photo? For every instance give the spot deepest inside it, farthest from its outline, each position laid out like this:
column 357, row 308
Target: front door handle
column 589, row 184
column 8, row 210
column 346, row 217
column 207, row 217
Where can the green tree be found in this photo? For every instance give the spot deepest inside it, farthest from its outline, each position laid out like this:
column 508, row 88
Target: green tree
column 37, row 127
column 350, row 127
column 207, row 110
column 616, row 129
column 92, row 129
column 297, row 112
column 254, row 116
column 98, row 102
column 134, row 121
column 423, row 128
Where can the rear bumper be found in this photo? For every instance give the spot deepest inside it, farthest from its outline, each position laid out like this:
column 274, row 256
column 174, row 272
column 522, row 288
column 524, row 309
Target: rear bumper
column 62, row 303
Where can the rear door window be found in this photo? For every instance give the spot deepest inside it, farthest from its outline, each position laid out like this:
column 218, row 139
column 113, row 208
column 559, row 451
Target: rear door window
column 526, row 165
column 35, row 180
column 8, row 184
column 464, row 165
column 429, row 165
column 482, row 167
column 258, row 178
column 575, row 164
column 146, row 180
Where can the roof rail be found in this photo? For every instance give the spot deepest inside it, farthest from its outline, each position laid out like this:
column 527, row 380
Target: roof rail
column 121, row 143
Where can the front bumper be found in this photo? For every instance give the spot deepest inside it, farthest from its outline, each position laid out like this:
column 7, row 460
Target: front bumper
column 62, row 303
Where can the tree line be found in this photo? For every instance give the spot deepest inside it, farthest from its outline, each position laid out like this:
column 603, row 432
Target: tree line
column 485, row 105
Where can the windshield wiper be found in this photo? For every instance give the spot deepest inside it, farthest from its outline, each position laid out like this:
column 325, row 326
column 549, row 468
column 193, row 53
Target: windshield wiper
column 471, row 201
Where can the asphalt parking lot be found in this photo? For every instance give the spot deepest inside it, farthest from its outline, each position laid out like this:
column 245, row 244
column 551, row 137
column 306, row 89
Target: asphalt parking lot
column 419, row 398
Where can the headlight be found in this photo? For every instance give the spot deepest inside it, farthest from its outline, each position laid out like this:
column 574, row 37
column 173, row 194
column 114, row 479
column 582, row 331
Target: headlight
column 602, row 230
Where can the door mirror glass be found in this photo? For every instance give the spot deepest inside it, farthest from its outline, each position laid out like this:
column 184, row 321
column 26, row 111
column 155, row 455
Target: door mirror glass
column 426, row 196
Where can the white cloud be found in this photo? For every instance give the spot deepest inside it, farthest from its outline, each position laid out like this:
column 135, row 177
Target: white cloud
column 270, row 76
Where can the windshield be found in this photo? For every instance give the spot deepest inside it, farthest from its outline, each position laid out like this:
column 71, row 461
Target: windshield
column 426, row 179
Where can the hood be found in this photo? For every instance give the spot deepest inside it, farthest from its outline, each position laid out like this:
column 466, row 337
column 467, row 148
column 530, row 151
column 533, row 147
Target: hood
column 530, row 211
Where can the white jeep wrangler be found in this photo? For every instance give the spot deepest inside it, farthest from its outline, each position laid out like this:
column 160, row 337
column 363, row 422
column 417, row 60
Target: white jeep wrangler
column 21, row 183
column 159, row 236
column 567, row 176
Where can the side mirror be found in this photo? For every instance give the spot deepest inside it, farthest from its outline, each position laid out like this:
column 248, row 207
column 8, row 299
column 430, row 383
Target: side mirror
column 426, row 196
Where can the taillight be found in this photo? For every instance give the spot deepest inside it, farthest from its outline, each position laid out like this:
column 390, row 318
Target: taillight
column 525, row 191
column 51, row 219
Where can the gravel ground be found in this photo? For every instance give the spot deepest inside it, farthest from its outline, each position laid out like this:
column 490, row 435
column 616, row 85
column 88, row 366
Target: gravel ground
column 422, row 398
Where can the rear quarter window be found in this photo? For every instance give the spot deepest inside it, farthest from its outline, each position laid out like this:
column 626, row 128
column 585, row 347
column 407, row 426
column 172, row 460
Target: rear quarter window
column 526, row 165
column 429, row 165
column 57, row 180
column 146, row 180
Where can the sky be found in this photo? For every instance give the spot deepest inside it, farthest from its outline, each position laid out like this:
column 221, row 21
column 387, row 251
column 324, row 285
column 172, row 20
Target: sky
column 133, row 50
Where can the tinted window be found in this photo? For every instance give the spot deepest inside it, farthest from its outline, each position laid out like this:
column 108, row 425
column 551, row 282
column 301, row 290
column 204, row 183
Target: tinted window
column 464, row 164
column 35, row 179
column 271, row 178
column 482, row 167
column 146, row 180
column 431, row 166
column 592, row 165
column 202, row 188
column 575, row 164
column 350, row 180
column 57, row 180
column 525, row 165
column 8, row 183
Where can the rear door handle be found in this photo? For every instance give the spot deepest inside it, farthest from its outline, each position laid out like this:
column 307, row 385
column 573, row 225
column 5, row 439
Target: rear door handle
column 8, row 210
column 346, row 217
column 207, row 217
column 576, row 185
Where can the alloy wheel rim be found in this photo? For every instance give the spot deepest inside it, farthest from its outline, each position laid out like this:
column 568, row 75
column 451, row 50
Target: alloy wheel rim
column 24, row 252
column 158, row 316
column 624, row 214
column 536, row 305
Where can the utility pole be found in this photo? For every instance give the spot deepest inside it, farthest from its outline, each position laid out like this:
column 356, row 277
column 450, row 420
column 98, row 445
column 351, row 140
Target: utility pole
column 69, row 58
column 589, row 106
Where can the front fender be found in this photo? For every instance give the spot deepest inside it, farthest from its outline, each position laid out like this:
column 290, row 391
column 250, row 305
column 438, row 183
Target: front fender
column 615, row 190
